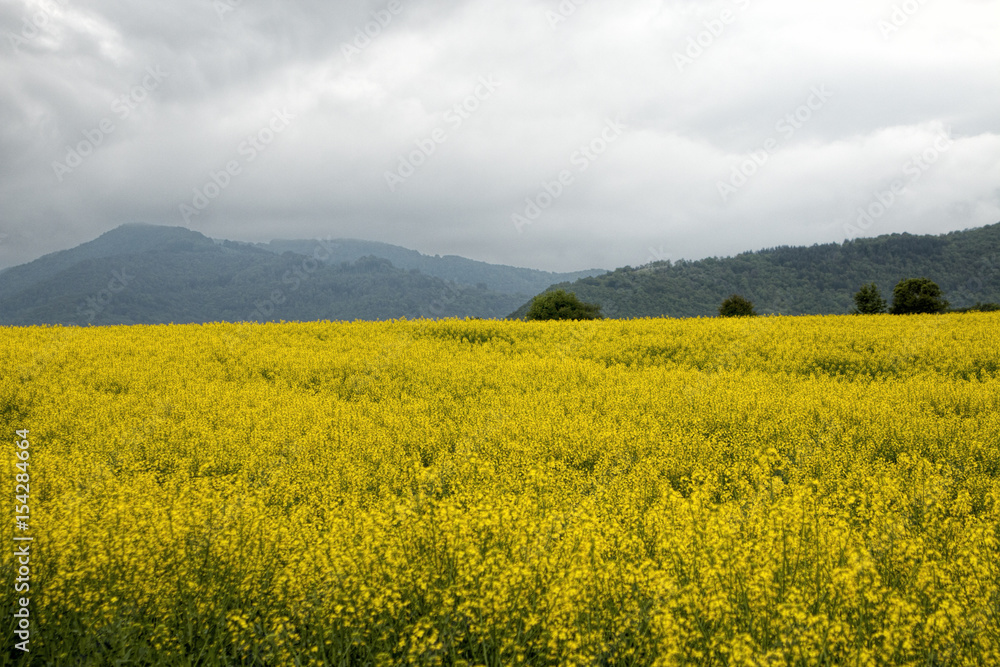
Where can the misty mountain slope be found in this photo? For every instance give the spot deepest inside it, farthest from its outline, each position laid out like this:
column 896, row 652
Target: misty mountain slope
column 126, row 239
column 150, row 275
column 500, row 278
column 143, row 274
column 820, row 279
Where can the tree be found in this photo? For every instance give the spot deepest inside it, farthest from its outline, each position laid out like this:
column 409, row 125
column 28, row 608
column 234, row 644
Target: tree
column 868, row 300
column 978, row 307
column 917, row 295
column 737, row 306
column 560, row 305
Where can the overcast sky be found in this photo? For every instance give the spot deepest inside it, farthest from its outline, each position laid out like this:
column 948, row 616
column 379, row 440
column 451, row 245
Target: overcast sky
column 539, row 133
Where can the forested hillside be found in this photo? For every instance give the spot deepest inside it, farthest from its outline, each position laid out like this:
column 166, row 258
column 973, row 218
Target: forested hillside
column 820, row 279
column 139, row 274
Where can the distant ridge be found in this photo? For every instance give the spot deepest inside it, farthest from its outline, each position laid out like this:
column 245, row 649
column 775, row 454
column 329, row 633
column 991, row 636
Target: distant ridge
column 130, row 238
column 820, row 279
column 149, row 274
column 500, row 278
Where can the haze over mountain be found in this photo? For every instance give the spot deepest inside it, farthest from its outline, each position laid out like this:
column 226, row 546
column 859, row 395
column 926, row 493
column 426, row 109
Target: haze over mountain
column 820, row 279
column 497, row 277
column 147, row 274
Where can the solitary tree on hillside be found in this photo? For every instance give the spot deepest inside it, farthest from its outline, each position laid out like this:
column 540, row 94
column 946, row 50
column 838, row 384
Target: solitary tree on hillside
column 917, row 295
column 737, row 306
column 560, row 305
column 868, row 300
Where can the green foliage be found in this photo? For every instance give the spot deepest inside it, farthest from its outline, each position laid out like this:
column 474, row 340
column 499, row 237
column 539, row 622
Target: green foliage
column 232, row 283
column 737, row 306
column 560, row 305
column 814, row 280
column 917, row 295
column 459, row 270
column 868, row 300
column 978, row 308
column 173, row 274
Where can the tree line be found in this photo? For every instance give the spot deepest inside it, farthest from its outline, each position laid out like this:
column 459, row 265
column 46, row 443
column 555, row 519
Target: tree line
column 910, row 296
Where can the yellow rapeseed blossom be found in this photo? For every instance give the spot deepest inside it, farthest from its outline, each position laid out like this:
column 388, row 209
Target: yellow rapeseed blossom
column 759, row 491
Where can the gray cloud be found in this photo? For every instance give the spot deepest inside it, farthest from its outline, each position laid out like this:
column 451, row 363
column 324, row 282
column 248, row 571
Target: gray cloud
column 700, row 87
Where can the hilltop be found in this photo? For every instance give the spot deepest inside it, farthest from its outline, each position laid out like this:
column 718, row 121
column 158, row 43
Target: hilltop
column 148, row 274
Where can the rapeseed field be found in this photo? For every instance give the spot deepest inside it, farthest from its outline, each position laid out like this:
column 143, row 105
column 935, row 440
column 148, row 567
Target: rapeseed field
column 755, row 491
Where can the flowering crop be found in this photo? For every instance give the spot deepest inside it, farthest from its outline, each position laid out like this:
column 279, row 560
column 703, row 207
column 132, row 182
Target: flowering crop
column 753, row 491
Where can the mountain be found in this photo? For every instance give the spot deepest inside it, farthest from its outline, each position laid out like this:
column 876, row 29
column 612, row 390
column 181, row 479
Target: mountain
column 820, row 279
column 147, row 274
column 129, row 239
column 460, row 270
